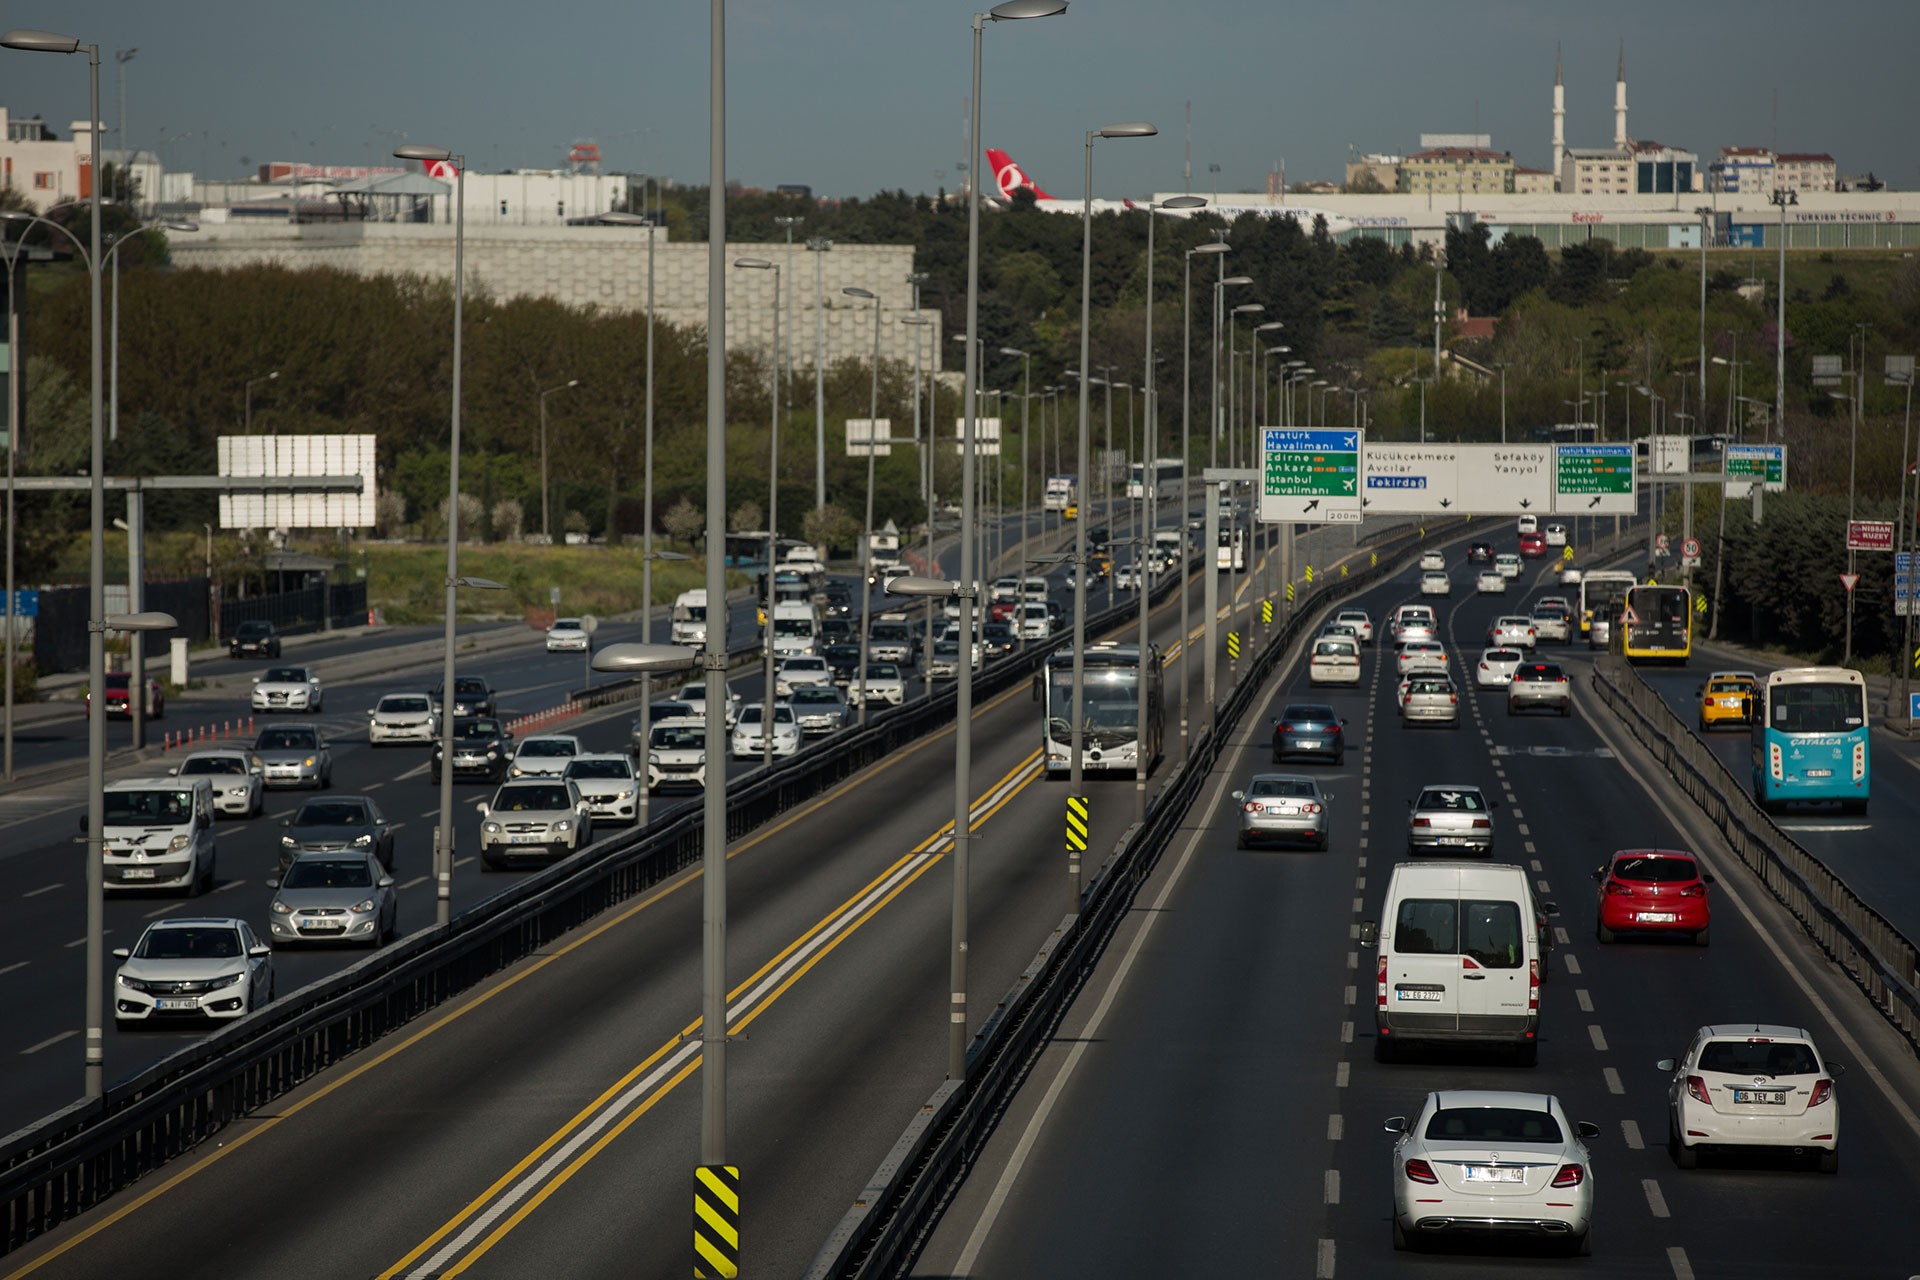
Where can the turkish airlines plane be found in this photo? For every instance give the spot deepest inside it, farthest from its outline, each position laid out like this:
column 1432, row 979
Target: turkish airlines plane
column 1010, row 177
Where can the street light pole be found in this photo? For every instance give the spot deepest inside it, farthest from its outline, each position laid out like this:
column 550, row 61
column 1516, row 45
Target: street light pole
column 1026, row 398
column 246, row 422
column 546, row 528
column 783, row 361
column 866, row 537
column 773, row 521
column 819, row 246
column 1186, row 461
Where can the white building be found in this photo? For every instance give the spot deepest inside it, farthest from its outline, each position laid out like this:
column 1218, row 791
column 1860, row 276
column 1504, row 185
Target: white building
column 45, row 169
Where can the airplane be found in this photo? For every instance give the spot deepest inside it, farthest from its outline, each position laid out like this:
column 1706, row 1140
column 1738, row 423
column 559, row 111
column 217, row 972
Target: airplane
column 1009, row 177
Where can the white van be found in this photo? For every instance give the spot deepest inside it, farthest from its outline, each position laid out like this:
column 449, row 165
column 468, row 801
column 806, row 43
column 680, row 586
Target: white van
column 1461, row 958
column 796, row 628
column 1335, row 660
column 1527, row 524
column 158, row 834
column 690, row 617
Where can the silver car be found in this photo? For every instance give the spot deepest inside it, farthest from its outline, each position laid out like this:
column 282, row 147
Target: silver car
column 334, row 897
column 287, row 689
column 533, row 818
column 820, row 709
column 608, row 785
column 1430, row 699
column 1450, row 818
column 1551, row 624
column 294, row 755
column 1282, row 807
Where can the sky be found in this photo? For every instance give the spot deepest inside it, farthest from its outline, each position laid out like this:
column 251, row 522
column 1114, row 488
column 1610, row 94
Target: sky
column 851, row 97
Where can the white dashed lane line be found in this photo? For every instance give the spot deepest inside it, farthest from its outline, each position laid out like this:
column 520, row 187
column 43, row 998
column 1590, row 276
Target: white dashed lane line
column 1599, row 1037
column 45, row 888
column 1677, row 1259
column 1656, row 1203
column 1630, row 1133
column 1584, row 998
column 21, row 964
column 1336, row 1127
column 1612, row 1077
column 49, row 1042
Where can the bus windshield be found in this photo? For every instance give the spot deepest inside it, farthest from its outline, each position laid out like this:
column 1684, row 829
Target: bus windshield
column 1113, row 705
column 1816, row 708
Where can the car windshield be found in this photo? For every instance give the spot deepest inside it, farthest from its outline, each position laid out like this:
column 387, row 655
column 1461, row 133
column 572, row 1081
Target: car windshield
column 566, row 624
column 1333, row 649
column 286, row 740
column 476, row 728
column 803, row 665
column 1460, row 800
column 465, row 685
column 328, row 873
column 189, row 942
column 548, row 747
column 213, row 765
column 332, row 813
column 803, row 697
column 1663, row 870
column 1431, row 686
column 882, row 671
column 170, row 806
column 253, row 630
column 600, row 769
column 523, row 799
column 1298, row 787
column 1494, row 1124
column 1308, row 714
column 405, row 704
column 284, row 675
column 675, row 737
column 1758, row 1057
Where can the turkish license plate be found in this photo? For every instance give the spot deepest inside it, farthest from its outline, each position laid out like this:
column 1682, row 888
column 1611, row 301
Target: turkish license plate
column 320, row 926
column 1310, row 744
column 1771, row 1097
column 176, row 1004
column 1819, row 773
column 1416, row 993
column 1658, row 917
column 138, row 873
column 1494, row 1173
column 529, row 839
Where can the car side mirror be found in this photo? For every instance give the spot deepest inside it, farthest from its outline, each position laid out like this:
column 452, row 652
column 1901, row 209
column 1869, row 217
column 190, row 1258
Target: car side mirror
column 286, row 822
column 1493, row 804
column 1707, row 877
column 1836, row 1069
column 259, row 950
column 1239, row 795
column 1586, row 1129
column 1746, row 708
column 1369, row 933
column 1343, row 722
column 481, row 808
column 1550, row 908
column 273, row 883
column 385, row 882
column 1409, row 804
column 1395, row 1124
column 1599, row 874
column 1666, row 1064
column 174, row 772
column 1699, row 689
column 122, row 953
column 256, row 679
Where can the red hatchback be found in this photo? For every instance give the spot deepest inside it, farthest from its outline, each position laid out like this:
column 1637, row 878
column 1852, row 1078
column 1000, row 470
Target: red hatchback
column 1652, row 891
column 1533, row 545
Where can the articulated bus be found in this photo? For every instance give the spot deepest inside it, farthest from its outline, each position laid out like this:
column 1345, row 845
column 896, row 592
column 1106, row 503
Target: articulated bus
column 1169, row 480
column 1602, row 592
column 1111, row 734
column 1810, row 739
column 1657, row 624
column 1231, row 553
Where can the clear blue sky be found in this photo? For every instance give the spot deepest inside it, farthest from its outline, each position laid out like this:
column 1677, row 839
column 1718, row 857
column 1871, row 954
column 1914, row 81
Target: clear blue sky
column 855, row 96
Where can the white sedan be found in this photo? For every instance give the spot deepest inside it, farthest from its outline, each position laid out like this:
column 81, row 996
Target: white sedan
column 567, row 635
column 1752, row 1085
column 1497, row 667
column 1436, row 583
column 802, row 669
column 1570, row 575
column 1360, row 620
column 607, row 783
column 1491, row 582
column 192, row 968
column 694, row 694
column 1422, row 655
column 287, row 689
column 1513, row 630
column 1433, row 560
column 1492, row 1162
column 239, row 787
column 402, row 717
column 544, row 755
column 885, row 685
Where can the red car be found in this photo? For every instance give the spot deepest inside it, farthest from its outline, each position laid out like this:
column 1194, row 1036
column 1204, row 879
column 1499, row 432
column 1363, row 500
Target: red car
column 1652, row 891
column 117, row 708
column 1533, row 545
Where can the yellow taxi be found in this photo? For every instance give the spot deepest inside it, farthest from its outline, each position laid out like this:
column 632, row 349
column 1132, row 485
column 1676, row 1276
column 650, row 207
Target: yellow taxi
column 1726, row 698
column 1071, row 511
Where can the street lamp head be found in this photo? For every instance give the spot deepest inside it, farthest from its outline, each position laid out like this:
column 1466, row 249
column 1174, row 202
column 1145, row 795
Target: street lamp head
column 40, row 41
column 1269, row 326
column 645, row 659
column 1014, row 10
column 792, row 220
column 614, row 218
column 910, row 585
column 1216, row 246
column 152, row 620
column 756, row 264
column 1278, row 351
column 414, row 151
column 854, row 292
column 916, row 320
column 483, row 584
column 1249, row 308
column 1015, row 352
column 1181, row 202
column 1233, row 280
column 818, row 244
column 1131, row 129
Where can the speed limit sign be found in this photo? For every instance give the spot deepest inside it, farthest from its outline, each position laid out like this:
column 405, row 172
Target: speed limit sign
column 1690, row 548
column 1662, row 543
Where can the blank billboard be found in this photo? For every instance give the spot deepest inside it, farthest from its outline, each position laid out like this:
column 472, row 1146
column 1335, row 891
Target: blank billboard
column 287, row 456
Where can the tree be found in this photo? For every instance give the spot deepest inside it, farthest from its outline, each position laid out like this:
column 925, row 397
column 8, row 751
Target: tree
column 746, row 518
column 831, row 528
column 509, row 520
column 683, row 521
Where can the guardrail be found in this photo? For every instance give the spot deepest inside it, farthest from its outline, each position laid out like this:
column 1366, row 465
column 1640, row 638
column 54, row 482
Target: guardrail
column 1875, row 954
column 893, row 1214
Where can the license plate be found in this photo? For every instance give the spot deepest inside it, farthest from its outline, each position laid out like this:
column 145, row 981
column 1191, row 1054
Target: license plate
column 1771, row 1097
column 1310, row 744
column 1658, row 917
column 1494, row 1173
column 138, row 873
column 176, row 1004
column 320, row 926
column 528, row 840
column 1819, row 773
column 1278, row 808
column 1416, row 993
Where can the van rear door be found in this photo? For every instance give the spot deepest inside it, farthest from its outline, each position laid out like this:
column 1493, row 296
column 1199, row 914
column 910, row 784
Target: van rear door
column 1495, row 978
column 1423, row 962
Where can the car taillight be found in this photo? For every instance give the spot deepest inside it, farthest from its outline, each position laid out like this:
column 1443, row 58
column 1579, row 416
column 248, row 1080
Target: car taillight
column 1482, row 823
column 1287, row 728
column 1420, row 1171
column 1380, row 985
column 1822, row 1092
column 1533, row 987
column 1619, row 890
column 1310, row 807
column 1250, row 807
column 1423, row 822
column 1697, row 1089
column 1859, row 761
column 1454, row 698
column 1570, row 1175
column 1694, row 891
column 1485, row 667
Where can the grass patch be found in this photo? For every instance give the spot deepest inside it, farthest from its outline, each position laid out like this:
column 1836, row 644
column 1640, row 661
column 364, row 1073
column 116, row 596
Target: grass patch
column 407, row 583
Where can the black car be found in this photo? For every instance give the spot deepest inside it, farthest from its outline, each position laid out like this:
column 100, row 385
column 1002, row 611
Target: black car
column 843, row 659
column 338, row 824
column 472, row 696
column 1479, row 553
column 1097, row 538
column 997, row 638
column 836, row 603
column 1309, row 728
column 482, row 748
column 254, row 640
column 837, row 630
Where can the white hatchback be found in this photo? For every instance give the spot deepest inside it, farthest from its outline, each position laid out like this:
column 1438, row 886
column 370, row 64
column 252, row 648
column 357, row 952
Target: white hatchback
column 1507, row 564
column 544, row 755
column 1335, row 660
column 1433, row 560
column 567, row 635
column 1436, row 583
column 1752, row 1085
column 1360, row 620
column 747, row 742
column 1423, row 655
column 1496, row 667
column 1491, row 582
column 402, row 717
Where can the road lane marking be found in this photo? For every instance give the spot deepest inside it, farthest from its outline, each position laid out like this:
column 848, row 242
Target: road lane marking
column 1584, row 998
column 17, row 964
column 1330, row 1187
column 1612, row 1077
column 1342, row 1073
column 1573, row 964
column 49, row 1042
column 1336, row 1127
column 45, row 888
column 1630, row 1131
column 1656, row 1202
column 1677, row 1259
column 1346, row 1033
column 1323, row 1261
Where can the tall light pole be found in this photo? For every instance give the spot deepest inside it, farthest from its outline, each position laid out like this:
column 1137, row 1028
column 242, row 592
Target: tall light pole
column 1782, row 198
column 1705, row 214
column 1077, row 733
column 819, row 246
column 546, row 524
column 783, row 359
column 925, row 443
column 1026, row 398
column 1011, row 10
column 866, row 536
column 246, row 421
column 1186, row 461
column 1216, row 409
column 773, row 520
column 1502, row 366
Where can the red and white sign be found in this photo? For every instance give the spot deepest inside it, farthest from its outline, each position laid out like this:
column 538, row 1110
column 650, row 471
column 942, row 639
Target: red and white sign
column 1869, row 535
column 1847, row 580
column 1661, row 542
column 442, row 169
column 1690, row 548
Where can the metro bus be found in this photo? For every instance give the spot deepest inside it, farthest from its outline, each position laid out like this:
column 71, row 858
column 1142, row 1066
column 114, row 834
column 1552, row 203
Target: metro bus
column 1061, row 492
column 1602, row 592
column 1112, row 738
column 1657, row 624
column 1169, row 480
column 1231, row 553
column 1810, row 740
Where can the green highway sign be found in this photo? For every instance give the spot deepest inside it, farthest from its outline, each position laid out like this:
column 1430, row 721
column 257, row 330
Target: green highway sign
column 1747, row 463
column 1310, row 475
column 1593, row 479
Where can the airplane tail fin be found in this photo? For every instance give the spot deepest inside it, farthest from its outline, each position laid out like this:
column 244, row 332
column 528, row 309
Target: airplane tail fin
column 1010, row 177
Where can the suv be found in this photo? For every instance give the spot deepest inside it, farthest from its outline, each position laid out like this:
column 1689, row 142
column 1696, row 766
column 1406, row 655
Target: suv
column 157, row 833
column 254, row 640
column 533, row 818
column 1479, row 553
column 1540, row 684
column 472, row 696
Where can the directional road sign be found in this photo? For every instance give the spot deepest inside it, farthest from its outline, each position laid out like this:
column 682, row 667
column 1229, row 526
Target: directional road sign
column 1458, row 479
column 1593, row 479
column 1310, row 475
column 1746, row 463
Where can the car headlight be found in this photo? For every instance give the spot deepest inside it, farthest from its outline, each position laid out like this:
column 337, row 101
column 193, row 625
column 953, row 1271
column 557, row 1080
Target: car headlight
column 362, row 840
column 179, row 843
column 653, row 757
column 279, row 908
column 224, row 980
column 288, row 842
column 132, row 984
column 518, row 771
column 564, row 824
column 491, row 828
column 362, row 907
column 493, row 753
column 310, row 762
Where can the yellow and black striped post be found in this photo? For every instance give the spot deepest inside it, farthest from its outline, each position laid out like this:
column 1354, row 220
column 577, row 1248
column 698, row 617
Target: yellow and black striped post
column 1266, row 612
column 716, row 1221
column 1233, row 646
column 1289, row 593
column 1076, row 835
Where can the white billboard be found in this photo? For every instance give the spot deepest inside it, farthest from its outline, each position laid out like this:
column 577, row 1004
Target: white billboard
column 312, row 455
column 986, row 436
column 865, row 435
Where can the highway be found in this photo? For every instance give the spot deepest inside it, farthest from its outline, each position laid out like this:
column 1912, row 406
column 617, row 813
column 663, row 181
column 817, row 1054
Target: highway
column 1212, row 1104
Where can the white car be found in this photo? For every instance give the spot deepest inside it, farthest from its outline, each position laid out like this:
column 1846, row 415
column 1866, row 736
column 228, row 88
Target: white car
column 1422, row 655
column 536, row 817
column 694, row 694
column 402, row 717
column 192, row 967
column 884, row 684
column 748, row 743
column 1570, row 575
column 1360, row 620
column 544, row 755
column 238, row 780
column 287, row 689
column 1512, row 630
column 1496, row 667
column 1436, row 584
column 1492, row 1162
column 1435, row 560
column 1127, row 577
column 801, row 669
column 1035, row 621
column 1752, row 1085
column 677, row 754
column 606, row 782
column 1556, row 535
column 1508, row 564
column 567, row 635
column 1491, row 582
column 1335, row 660
column 1552, row 624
